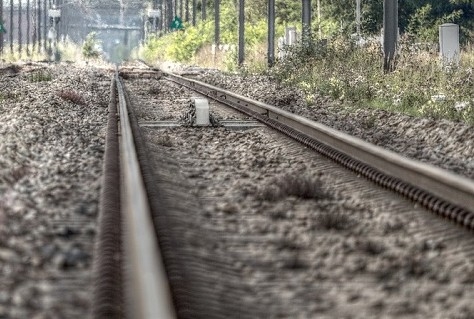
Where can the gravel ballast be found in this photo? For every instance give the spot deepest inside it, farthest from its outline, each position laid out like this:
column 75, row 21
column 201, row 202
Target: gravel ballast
column 290, row 262
column 52, row 127
column 443, row 143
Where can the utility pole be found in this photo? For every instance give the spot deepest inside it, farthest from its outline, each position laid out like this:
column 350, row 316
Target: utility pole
column 20, row 35
column 159, row 18
column 217, row 22
column 187, row 11
column 38, row 22
column 271, row 33
column 390, row 33
column 194, row 12
column 358, row 19
column 241, row 32
column 45, row 24
column 28, row 22
column 170, row 13
column 320, row 33
column 203, row 10
column 306, row 21
column 3, row 25
column 11, row 27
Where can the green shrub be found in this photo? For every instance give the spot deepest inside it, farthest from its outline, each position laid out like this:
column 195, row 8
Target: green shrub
column 90, row 48
column 353, row 75
column 179, row 46
column 182, row 46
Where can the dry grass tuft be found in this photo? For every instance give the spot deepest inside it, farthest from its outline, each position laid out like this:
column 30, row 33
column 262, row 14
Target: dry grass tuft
column 40, row 76
column 371, row 247
column 335, row 221
column 11, row 69
column 405, row 266
column 16, row 174
column 304, row 187
column 295, row 263
column 154, row 90
column 72, row 96
column 287, row 244
column 394, row 225
column 163, row 140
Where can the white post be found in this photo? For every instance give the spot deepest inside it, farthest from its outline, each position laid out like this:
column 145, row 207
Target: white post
column 449, row 43
column 291, row 36
column 201, row 106
column 281, row 47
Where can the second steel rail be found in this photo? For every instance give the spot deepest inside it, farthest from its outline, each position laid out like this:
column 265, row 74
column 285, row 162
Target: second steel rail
column 445, row 193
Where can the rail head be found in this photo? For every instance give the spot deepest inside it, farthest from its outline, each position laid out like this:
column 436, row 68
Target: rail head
column 448, row 186
column 148, row 288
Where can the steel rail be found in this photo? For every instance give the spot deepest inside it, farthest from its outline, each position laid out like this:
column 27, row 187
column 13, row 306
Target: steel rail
column 441, row 191
column 107, row 301
column 148, row 290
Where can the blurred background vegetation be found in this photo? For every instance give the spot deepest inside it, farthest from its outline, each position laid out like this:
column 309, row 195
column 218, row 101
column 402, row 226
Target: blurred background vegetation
column 418, row 19
column 342, row 70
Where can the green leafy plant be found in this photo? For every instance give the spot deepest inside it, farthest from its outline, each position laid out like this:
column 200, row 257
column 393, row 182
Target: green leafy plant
column 90, row 47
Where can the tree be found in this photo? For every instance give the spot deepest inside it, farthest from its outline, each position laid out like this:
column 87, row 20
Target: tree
column 288, row 11
column 422, row 18
column 419, row 17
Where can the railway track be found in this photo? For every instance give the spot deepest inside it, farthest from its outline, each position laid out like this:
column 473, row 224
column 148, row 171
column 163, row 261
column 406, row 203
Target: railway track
column 445, row 194
column 194, row 295
column 148, row 287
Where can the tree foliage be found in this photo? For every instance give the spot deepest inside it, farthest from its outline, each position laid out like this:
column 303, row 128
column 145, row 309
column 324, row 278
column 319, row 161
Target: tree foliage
column 419, row 18
column 422, row 18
